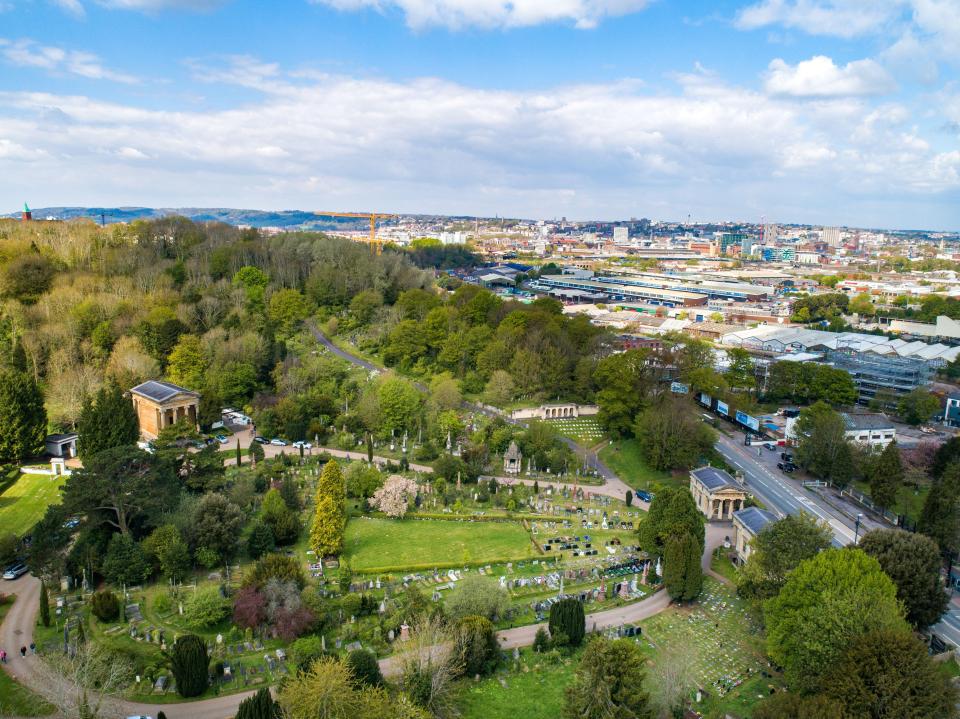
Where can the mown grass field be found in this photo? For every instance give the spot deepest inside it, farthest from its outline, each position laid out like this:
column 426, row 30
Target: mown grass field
column 392, row 544
column 624, row 458
column 535, row 692
column 25, row 501
column 585, row 431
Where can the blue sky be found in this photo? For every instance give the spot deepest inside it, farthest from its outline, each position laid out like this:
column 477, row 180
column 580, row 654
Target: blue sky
column 817, row 111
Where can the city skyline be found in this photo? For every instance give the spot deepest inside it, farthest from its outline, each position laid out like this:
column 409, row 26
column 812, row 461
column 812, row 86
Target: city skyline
column 820, row 113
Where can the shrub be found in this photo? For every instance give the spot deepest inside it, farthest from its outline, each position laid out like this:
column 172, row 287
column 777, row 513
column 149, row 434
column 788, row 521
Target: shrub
column 105, row 606
column 162, row 603
column 189, row 663
column 260, row 706
column 306, row 650
column 541, row 642
column 260, row 541
column 364, row 668
column 567, row 617
column 475, row 642
column 206, row 607
column 275, row 566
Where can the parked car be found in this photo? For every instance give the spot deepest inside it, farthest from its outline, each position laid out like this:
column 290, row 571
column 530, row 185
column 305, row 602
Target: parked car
column 261, row 440
column 14, row 571
column 785, row 467
column 222, row 438
column 277, row 442
column 71, row 523
column 300, row 443
column 786, row 456
column 643, row 495
column 771, row 446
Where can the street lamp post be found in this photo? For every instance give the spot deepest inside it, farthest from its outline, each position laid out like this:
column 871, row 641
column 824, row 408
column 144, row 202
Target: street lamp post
column 856, row 530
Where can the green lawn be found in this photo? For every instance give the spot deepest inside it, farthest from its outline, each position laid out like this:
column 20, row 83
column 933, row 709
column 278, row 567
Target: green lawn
column 25, row 501
column 909, row 499
column 535, row 692
column 721, row 564
column 624, row 458
column 383, row 545
column 15, row 699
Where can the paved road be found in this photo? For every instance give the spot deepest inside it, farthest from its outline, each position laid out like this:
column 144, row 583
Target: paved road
column 781, row 493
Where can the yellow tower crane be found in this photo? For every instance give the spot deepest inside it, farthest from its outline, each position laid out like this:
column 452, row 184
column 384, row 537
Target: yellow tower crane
column 375, row 244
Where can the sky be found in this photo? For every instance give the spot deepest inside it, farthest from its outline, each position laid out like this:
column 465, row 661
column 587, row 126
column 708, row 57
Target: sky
column 837, row 112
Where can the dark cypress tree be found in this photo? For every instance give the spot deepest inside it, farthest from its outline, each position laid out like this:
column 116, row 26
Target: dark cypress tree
column 44, row 605
column 940, row 517
column 107, row 420
column 682, row 573
column 260, row 706
column 365, row 668
column 886, row 477
column 629, row 498
column 239, row 454
column 256, row 452
column 567, row 618
column 370, row 448
column 189, row 663
column 23, row 418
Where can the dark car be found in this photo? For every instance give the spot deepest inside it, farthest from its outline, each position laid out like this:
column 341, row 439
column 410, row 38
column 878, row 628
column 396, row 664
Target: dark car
column 261, row 440
column 643, row 495
column 786, row 456
column 785, row 467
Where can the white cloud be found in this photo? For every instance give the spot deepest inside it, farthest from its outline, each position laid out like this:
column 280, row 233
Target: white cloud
column 458, row 14
column 74, row 7
column 433, row 146
column 820, row 77
column 28, row 53
column 841, row 18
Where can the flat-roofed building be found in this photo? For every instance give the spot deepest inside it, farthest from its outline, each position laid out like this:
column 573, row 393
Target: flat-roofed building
column 162, row 404
column 873, row 430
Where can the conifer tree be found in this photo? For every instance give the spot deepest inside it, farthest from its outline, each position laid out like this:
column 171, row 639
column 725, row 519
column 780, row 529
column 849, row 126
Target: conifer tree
column 260, row 706
column 189, row 663
column 682, row 574
column 330, row 516
column 44, row 605
column 107, row 420
column 886, row 477
column 23, row 418
column 239, row 454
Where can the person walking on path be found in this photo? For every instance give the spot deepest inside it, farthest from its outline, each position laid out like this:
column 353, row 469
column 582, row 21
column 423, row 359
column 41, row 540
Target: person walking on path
column 33, row 647
column 3, row 656
column 23, row 652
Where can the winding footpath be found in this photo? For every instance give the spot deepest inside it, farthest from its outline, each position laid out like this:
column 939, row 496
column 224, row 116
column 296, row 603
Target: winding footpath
column 17, row 627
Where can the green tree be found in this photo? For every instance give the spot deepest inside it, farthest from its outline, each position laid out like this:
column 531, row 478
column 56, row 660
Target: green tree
column 23, row 419
column 609, row 682
column 217, row 523
column 740, row 373
column 106, row 421
column 862, row 305
column 940, row 516
column 890, row 674
column 399, row 403
column 206, row 607
column 365, row 668
column 44, row 605
column 673, row 513
column 259, row 706
column 105, row 606
column 624, row 380
column 913, row 562
column 260, row 541
column 329, row 519
column 777, row 550
column 168, row 552
column 189, row 664
column 477, row 595
column 235, row 381
column 788, row 705
column 256, row 451
column 886, row 476
column 567, row 618
column 670, row 436
column 125, row 562
column 187, row 363
column 475, row 644
column 628, row 498
column 825, row 604
column 287, row 309
column 283, row 522
column 918, row 406
column 682, row 573
column 123, row 487
column 823, row 448
column 500, row 388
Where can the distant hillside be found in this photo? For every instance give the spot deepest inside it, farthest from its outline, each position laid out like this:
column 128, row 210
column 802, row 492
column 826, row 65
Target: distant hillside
column 253, row 218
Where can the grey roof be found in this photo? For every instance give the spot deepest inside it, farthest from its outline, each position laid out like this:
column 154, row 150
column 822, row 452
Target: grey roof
column 60, row 438
column 160, row 391
column 713, row 478
column 754, row 518
column 866, row 421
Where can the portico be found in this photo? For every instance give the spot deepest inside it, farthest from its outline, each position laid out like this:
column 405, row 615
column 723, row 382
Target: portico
column 163, row 404
column 716, row 493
